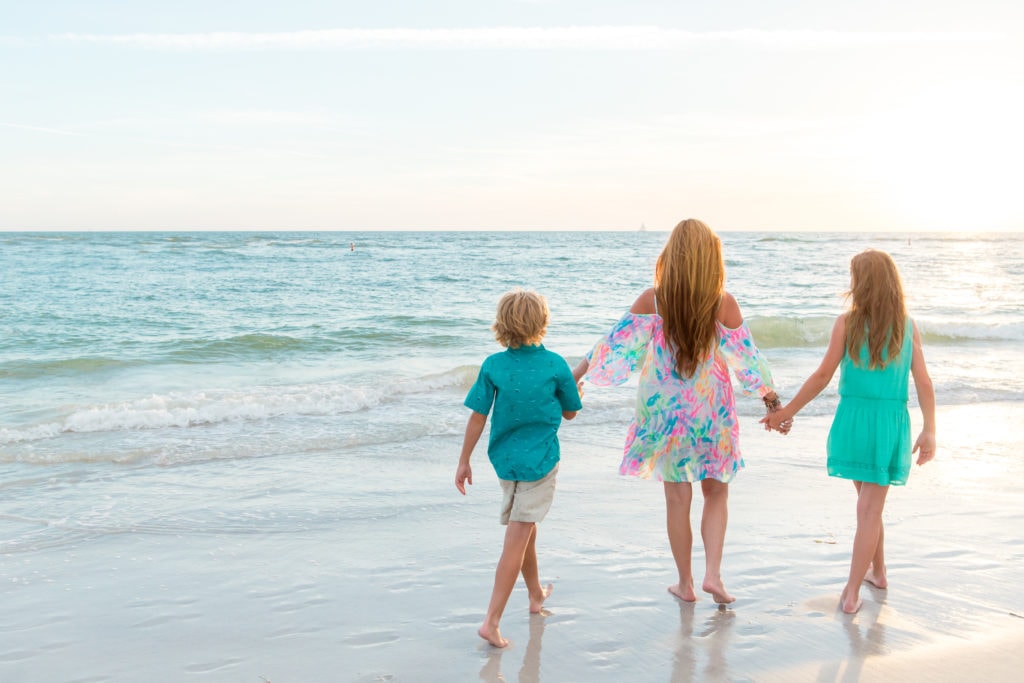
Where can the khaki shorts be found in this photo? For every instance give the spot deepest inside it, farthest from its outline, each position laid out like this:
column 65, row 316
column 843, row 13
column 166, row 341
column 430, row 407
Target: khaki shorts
column 527, row 501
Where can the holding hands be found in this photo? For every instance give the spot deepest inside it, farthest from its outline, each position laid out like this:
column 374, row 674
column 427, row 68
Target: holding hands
column 778, row 418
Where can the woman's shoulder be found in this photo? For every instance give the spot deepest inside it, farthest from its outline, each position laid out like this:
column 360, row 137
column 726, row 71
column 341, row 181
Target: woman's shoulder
column 645, row 304
column 729, row 314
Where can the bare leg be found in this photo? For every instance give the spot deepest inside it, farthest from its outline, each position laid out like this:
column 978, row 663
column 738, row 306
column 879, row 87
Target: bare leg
column 680, row 537
column 712, row 530
column 531, row 575
column 517, row 538
column 870, row 503
column 876, row 574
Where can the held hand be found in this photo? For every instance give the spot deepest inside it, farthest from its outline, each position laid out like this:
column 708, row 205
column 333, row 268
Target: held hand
column 924, row 447
column 463, row 476
column 579, row 388
column 777, row 420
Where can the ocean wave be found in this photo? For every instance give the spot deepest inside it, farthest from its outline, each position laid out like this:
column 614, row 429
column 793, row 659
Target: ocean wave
column 202, row 408
column 242, row 346
column 30, row 369
column 814, row 331
column 786, row 332
column 946, row 332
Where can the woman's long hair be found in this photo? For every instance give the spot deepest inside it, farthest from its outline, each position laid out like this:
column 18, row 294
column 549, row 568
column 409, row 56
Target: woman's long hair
column 688, row 283
column 877, row 310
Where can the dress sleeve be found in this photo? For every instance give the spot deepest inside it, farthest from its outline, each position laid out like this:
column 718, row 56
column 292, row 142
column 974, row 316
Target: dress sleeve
column 746, row 361
column 620, row 352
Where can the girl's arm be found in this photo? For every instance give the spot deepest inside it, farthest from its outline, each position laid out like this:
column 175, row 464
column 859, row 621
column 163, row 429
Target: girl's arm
column 925, row 444
column 818, row 380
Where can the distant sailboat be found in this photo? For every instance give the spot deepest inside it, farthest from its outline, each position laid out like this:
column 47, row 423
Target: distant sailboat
column 643, row 227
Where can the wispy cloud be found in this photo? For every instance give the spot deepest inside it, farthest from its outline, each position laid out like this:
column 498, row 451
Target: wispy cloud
column 39, row 129
column 630, row 38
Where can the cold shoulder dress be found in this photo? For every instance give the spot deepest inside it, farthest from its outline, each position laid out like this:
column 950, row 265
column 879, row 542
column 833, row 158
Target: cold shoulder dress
column 683, row 429
column 870, row 435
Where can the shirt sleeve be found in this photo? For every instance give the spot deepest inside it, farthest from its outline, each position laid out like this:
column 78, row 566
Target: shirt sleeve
column 620, row 352
column 481, row 394
column 566, row 391
column 746, row 361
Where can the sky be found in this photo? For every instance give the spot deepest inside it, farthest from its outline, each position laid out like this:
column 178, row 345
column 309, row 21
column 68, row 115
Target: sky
column 895, row 115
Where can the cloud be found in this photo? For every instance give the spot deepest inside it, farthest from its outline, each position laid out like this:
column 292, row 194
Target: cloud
column 630, row 38
column 40, row 129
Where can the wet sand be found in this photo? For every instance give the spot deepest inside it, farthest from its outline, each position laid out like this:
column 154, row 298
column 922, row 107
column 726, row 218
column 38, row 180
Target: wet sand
column 397, row 592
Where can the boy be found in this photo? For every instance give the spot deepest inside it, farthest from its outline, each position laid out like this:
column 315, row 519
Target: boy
column 531, row 390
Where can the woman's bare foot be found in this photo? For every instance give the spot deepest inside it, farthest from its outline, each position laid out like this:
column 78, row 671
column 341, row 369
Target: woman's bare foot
column 684, row 593
column 876, row 579
column 718, row 592
column 537, row 604
column 849, row 605
column 492, row 635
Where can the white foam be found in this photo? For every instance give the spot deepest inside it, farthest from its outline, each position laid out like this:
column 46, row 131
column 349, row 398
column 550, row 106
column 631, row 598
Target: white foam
column 183, row 409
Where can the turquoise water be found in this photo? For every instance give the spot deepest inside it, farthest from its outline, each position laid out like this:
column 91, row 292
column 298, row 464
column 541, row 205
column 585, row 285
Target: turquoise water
column 177, row 347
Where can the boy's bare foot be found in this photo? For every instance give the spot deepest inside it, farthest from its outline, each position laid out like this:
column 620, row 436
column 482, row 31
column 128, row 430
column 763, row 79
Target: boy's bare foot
column 876, row 579
column 492, row 636
column 537, row 605
column 684, row 593
column 718, row 592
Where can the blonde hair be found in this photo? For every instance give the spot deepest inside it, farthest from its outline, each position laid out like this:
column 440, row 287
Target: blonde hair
column 522, row 319
column 689, row 279
column 877, row 310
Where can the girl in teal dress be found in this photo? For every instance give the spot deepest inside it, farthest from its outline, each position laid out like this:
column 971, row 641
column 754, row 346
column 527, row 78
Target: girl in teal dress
column 876, row 346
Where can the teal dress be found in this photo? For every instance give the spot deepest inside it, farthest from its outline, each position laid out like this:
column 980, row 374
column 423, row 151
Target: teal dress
column 870, row 436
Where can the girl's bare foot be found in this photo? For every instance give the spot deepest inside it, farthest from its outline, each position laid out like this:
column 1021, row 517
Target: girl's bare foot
column 717, row 590
column 537, row 603
column 684, row 593
column 876, row 579
column 492, row 636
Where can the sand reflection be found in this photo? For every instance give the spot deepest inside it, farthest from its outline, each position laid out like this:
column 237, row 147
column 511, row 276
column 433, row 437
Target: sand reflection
column 529, row 672
column 712, row 638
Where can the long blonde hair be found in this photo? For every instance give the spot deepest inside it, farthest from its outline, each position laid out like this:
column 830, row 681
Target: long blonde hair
column 688, row 283
column 877, row 310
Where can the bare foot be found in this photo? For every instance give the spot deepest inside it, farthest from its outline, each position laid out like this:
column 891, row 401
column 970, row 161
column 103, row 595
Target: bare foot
column 684, row 593
column 492, row 636
column 877, row 580
column 718, row 592
column 849, row 605
column 536, row 605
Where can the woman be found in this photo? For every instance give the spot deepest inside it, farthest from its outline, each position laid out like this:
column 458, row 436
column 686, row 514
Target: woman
column 684, row 335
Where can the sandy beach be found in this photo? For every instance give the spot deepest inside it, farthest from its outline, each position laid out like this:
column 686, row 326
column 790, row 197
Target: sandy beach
column 393, row 588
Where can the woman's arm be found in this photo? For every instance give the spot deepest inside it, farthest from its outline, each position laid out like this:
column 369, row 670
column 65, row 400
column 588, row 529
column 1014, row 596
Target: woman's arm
column 818, row 380
column 742, row 354
column 925, row 444
column 621, row 351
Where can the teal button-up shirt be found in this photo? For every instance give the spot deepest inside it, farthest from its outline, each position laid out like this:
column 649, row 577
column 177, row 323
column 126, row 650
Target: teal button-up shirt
column 529, row 388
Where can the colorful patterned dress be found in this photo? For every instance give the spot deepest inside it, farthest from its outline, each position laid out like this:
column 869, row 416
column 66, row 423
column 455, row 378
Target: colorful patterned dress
column 683, row 429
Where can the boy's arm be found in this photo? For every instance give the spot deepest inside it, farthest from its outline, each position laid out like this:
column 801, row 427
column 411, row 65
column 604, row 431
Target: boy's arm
column 474, row 428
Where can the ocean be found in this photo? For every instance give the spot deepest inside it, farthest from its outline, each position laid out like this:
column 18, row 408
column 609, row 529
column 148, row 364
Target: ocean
column 231, row 392
column 155, row 349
